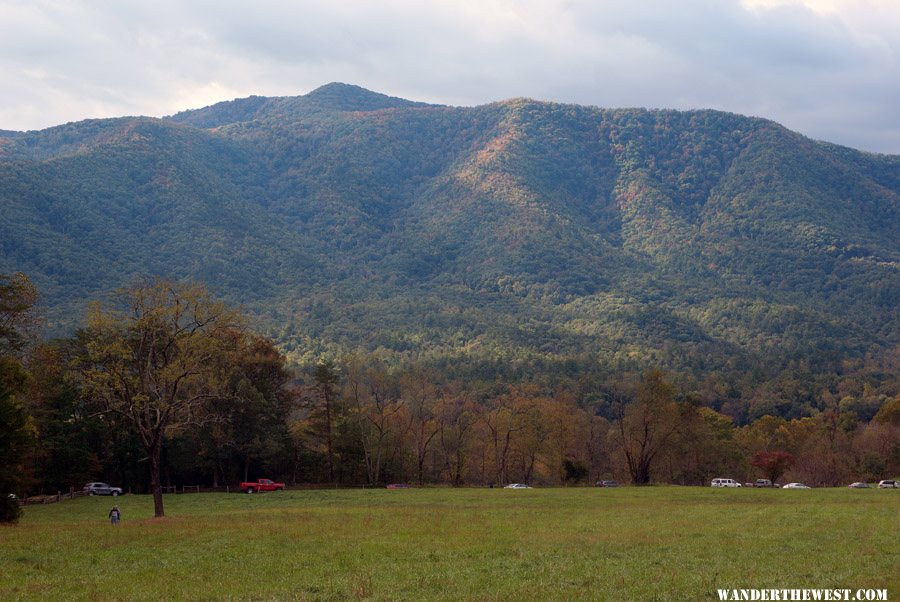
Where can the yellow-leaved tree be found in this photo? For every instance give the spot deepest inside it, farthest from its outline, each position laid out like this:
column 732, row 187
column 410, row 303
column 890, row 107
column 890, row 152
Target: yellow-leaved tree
column 159, row 359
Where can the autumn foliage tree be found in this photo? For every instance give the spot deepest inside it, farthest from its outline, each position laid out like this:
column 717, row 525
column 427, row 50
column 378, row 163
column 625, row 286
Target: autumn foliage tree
column 372, row 393
column 456, row 415
column 159, row 361
column 420, row 395
column 772, row 464
column 647, row 426
column 17, row 298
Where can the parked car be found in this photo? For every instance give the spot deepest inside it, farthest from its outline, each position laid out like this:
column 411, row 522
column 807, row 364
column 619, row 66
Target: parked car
column 889, row 484
column 261, row 485
column 607, row 484
column 398, row 486
column 795, row 486
column 762, row 483
column 858, row 485
column 102, row 489
column 724, row 483
column 517, row 486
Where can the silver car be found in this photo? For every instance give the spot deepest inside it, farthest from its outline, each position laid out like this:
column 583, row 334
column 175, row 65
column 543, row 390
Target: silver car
column 102, row 489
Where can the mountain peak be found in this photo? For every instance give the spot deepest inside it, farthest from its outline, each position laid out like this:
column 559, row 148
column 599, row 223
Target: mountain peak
column 335, row 96
column 347, row 97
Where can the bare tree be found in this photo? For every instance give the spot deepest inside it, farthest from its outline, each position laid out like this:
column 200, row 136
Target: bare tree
column 456, row 415
column 372, row 394
column 646, row 425
column 420, row 395
column 505, row 421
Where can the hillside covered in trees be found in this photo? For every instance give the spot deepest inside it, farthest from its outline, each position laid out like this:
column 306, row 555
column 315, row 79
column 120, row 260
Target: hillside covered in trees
column 168, row 385
column 520, row 240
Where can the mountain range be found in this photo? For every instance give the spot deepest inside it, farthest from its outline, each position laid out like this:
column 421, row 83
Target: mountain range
column 518, row 231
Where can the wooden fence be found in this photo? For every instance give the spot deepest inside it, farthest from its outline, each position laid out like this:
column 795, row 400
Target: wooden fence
column 51, row 499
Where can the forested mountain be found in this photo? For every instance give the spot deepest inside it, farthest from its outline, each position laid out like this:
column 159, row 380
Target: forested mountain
column 520, row 235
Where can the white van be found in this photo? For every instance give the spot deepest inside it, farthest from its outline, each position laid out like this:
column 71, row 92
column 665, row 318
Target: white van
column 725, row 483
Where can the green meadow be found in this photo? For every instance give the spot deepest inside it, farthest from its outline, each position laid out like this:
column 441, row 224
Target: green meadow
column 655, row 543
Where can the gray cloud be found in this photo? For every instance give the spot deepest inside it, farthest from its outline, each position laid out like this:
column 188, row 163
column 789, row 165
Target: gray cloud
column 830, row 74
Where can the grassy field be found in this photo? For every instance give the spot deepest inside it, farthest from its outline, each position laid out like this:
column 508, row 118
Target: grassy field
column 662, row 543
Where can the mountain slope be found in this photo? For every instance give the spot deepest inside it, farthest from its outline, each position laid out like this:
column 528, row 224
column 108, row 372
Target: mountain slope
column 346, row 218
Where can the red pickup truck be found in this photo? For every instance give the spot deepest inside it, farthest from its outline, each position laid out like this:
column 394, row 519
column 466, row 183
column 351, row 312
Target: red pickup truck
column 262, row 485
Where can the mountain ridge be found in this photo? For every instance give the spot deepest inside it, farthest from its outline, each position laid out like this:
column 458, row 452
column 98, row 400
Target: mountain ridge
column 334, row 96
column 347, row 219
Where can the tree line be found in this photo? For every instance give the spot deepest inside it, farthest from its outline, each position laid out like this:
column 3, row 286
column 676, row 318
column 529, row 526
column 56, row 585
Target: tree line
column 165, row 385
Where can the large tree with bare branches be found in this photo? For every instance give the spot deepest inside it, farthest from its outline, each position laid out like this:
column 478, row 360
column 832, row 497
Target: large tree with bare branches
column 647, row 425
column 158, row 359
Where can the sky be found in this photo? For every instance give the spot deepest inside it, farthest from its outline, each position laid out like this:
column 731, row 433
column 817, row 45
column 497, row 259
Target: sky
column 829, row 69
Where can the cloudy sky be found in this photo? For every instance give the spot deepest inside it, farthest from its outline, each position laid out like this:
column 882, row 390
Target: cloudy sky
column 827, row 68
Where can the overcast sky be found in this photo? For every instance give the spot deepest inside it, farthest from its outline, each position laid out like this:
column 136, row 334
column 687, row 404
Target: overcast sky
column 827, row 68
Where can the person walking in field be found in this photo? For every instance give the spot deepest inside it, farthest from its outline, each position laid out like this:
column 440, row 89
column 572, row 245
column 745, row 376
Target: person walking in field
column 115, row 515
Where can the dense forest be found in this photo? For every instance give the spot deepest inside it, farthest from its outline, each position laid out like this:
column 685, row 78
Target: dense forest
column 166, row 387
column 526, row 273
column 518, row 240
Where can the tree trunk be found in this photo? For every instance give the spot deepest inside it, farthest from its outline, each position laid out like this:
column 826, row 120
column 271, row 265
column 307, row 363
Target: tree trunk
column 530, row 470
column 421, row 470
column 377, row 478
column 155, row 460
column 296, row 467
column 329, row 444
column 642, row 473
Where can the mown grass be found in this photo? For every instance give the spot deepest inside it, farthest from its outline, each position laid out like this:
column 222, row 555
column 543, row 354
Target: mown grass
column 663, row 543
